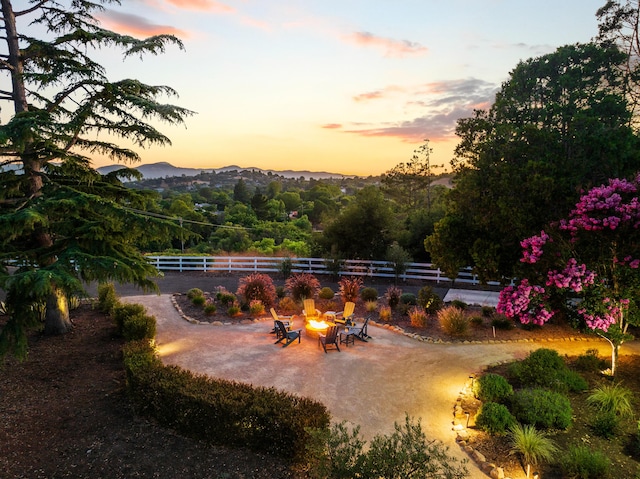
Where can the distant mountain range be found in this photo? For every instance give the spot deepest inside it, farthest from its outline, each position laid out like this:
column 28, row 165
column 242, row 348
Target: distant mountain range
column 164, row 170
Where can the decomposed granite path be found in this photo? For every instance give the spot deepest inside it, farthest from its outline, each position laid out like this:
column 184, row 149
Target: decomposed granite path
column 372, row 384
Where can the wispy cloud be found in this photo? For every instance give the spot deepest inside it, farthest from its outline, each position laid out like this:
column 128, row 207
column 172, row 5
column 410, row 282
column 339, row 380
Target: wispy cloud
column 136, row 25
column 443, row 104
column 204, row 5
column 391, row 47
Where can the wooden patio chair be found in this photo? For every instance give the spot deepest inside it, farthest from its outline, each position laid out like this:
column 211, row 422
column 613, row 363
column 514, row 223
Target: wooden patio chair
column 346, row 315
column 310, row 311
column 330, row 338
column 286, row 335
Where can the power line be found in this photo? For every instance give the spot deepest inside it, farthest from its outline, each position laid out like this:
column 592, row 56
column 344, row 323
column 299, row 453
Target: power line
column 182, row 220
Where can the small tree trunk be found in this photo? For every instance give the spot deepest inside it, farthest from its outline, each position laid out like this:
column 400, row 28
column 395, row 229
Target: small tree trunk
column 528, row 470
column 56, row 319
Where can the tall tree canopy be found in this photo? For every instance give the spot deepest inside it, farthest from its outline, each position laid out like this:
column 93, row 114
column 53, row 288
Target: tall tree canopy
column 560, row 124
column 61, row 222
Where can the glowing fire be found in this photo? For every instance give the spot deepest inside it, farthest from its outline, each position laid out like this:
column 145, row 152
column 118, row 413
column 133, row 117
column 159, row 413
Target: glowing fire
column 317, row 325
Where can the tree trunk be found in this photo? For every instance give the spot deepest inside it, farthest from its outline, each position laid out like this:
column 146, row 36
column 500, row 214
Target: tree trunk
column 56, row 319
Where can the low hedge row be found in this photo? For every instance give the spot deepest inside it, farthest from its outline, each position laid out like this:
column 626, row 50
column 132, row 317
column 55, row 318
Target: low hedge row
column 217, row 411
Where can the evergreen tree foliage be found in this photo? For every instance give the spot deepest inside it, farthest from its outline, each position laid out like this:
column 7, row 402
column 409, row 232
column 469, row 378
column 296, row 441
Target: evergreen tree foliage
column 62, row 223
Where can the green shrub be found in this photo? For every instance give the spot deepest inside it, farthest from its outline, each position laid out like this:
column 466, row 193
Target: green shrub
column 369, row 294
column 487, row 311
column 418, row 317
column 287, row 305
column 453, row 321
column 458, row 303
column 429, row 300
column 257, row 287
column 122, row 312
column 107, row 298
column 226, row 298
column 349, row 289
column 194, row 292
column 286, row 267
column 338, row 453
column 492, row 387
column 210, row 308
column 589, row 362
column 302, row 286
column 256, row 308
column 280, row 292
column 326, row 293
column 580, row 462
column 138, row 327
column 612, row 398
column 409, row 299
column 545, row 368
column 502, row 323
column 233, row 310
column 198, row 300
column 605, row 424
column 494, row 418
column 542, row 408
column 476, row 320
column 371, row 306
column 392, row 295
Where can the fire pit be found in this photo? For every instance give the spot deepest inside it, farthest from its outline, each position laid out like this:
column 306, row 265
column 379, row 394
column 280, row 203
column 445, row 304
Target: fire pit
column 314, row 328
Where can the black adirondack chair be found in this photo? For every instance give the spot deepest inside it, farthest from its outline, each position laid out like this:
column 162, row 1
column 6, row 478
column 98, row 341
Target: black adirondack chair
column 360, row 332
column 288, row 336
column 331, row 338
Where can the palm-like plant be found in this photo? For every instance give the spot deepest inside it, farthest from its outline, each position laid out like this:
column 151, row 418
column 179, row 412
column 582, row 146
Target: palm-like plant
column 612, row 398
column 533, row 445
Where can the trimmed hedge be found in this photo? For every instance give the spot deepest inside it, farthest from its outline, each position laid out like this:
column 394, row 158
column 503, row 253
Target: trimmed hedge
column 221, row 412
column 542, row 408
column 494, row 418
column 546, row 369
column 492, row 388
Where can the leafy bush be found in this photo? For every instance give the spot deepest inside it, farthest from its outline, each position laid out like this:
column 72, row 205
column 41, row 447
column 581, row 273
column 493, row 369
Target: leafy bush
column 487, row 311
column 501, row 322
column 453, row 321
column 287, row 305
column 545, row 368
column 476, row 320
column 458, row 303
column 494, row 418
column 580, row 462
column 605, row 424
column 589, row 362
column 286, row 267
column 139, row 327
column 408, row 298
column 369, row 294
column 257, row 287
column 492, row 387
column 326, row 293
column 210, row 308
column 371, row 306
column 542, row 408
column 256, row 308
column 406, row 453
column 225, row 298
column 233, row 310
column 198, row 300
column 194, row 292
column 418, row 317
column 107, row 298
column 429, row 300
column 302, row 286
column 385, row 313
column 124, row 311
column 392, row 295
column 350, row 289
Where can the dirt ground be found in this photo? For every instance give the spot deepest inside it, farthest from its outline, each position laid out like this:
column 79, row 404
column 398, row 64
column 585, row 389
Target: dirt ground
column 64, row 413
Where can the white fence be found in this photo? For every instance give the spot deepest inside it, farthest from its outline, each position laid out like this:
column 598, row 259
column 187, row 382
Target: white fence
column 262, row 264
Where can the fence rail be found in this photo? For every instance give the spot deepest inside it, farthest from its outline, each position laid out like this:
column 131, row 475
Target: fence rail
column 265, row 264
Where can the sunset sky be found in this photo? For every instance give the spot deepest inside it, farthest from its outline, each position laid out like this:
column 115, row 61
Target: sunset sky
column 345, row 86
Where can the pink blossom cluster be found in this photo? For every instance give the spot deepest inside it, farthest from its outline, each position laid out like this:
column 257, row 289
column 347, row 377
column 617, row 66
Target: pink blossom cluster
column 525, row 302
column 605, row 320
column 533, row 247
column 573, row 276
column 628, row 261
column 604, row 207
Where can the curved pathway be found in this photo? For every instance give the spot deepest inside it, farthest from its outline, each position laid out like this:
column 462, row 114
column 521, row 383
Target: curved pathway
column 372, row 384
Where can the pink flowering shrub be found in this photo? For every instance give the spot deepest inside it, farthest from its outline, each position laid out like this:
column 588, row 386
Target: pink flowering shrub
column 525, row 303
column 574, row 277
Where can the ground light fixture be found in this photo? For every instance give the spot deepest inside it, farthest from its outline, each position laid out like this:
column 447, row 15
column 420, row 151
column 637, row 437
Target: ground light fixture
column 466, row 413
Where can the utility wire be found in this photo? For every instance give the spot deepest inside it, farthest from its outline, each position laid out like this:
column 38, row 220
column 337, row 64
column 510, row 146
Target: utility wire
column 182, row 220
